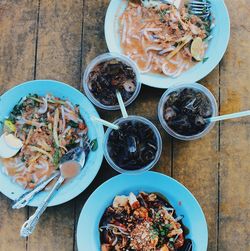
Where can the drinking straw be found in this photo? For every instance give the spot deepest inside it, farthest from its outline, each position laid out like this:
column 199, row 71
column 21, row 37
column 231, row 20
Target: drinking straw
column 121, row 104
column 229, row 116
column 105, row 123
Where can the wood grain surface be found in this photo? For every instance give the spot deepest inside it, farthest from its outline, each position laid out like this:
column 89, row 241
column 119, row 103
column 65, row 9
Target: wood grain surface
column 56, row 39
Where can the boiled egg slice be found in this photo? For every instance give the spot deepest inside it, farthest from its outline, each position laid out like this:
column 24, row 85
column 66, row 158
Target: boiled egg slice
column 9, row 145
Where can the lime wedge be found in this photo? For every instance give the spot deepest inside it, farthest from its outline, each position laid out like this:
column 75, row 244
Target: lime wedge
column 197, row 49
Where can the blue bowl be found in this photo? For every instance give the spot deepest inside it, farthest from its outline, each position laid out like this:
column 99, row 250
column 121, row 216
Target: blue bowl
column 88, row 237
column 77, row 185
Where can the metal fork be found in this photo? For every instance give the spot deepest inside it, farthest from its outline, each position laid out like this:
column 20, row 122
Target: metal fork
column 201, row 8
column 25, row 198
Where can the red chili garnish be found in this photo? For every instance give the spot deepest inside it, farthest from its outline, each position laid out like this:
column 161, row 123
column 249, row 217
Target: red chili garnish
column 180, row 241
column 81, row 126
column 135, row 205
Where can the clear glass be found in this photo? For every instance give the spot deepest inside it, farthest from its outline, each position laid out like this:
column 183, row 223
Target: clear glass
column 102, row 58
column 194, row 86
column 158, row 138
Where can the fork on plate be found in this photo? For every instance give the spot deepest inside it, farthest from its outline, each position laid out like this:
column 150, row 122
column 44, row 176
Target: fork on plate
column 201, row 8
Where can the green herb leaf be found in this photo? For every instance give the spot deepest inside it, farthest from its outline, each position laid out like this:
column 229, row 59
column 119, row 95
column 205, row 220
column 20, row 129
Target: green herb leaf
column 56, row 157
column 205, row 60
column 94, row 142
column 73, row 124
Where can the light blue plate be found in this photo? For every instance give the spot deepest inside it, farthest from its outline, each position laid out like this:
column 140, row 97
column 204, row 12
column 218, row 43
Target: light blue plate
column 215, row 52
column 180, row 198
column 64, row 91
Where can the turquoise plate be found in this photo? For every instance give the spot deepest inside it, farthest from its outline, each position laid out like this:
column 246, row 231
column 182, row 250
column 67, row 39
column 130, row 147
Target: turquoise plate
column 179, row 196
column 77, row 185
column 214, row 53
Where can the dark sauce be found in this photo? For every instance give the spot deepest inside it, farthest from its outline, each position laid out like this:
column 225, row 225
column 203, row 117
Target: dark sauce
column 108, row 77
column 133, row 146
column 186, row 111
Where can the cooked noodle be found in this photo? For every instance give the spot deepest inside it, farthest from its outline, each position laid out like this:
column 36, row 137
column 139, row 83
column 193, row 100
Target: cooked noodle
column 158, row 39
column 48, row 127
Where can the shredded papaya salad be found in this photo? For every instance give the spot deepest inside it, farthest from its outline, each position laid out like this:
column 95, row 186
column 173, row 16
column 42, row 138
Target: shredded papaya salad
column 48, row 127
column 163, row 39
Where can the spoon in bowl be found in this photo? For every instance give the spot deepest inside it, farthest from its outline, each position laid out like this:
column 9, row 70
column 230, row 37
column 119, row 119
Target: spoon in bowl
column 70, row 166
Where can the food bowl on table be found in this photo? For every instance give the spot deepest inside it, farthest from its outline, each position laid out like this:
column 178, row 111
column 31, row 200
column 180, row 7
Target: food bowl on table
column 135, row 147
column 59, row 91
column 108, row 73
column 184, row 111
column 218, row 38
column 184, row 203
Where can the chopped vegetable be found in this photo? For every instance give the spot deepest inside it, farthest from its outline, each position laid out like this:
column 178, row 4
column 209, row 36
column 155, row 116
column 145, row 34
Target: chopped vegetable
column 9, row 125
column 73, row 124
column 94, row 142
column 35, row 99
column 55, row 127
column 174, row 52
column 56, row 157
column 37, row 149
column 56, row 101
column 204, row 60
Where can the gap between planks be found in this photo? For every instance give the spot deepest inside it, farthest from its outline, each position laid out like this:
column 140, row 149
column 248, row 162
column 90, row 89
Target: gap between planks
column 79, row 87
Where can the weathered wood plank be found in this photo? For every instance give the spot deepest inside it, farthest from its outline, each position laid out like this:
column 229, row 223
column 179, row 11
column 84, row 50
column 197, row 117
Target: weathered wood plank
column 17, row 44
column 17, row 57
column 235, row 137
column 196, row 166
column 58, row 57
column 94, row 44
column 59, row 41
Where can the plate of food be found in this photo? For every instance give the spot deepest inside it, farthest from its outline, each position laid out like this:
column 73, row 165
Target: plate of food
column 169, row 45
column 149, row 211
column 41, row 120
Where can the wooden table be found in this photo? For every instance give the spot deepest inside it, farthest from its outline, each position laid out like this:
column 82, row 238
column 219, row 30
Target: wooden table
column 55, row 39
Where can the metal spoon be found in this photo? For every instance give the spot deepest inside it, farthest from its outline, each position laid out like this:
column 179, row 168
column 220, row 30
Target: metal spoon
column 25, row 198
column 76, row 156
